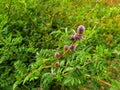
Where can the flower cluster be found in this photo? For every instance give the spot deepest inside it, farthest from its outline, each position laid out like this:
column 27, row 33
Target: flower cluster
column 78, row 35
column 57, row 54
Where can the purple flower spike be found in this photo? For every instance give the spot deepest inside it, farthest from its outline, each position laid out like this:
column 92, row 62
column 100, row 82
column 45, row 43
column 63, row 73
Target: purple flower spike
column 72, row 47
column 73, row 38
column 57, row 54
column 65, row 48
column 80, row 29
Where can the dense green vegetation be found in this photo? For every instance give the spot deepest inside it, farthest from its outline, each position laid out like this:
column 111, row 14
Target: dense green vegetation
column 32, row 31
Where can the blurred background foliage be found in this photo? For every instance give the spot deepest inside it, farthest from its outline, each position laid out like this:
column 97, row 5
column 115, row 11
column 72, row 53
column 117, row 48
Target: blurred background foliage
column 29, row 26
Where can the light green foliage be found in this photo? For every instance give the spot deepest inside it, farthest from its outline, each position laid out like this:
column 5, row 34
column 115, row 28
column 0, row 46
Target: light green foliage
column 116, row 85
column 31, row 31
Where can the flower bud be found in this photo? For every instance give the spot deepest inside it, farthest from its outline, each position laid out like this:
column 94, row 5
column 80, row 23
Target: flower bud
column 78, row 36
column 57, row 64
column 73, row 38
column 78, row 67
column 85, row 63
column 65, row 48
column 89, row 60
column 53, row 74
column 80, row 29
column 57, row 54
column 72, row 47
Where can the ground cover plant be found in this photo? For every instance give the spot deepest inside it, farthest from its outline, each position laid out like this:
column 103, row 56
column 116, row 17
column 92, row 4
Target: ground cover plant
column 59, row 45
